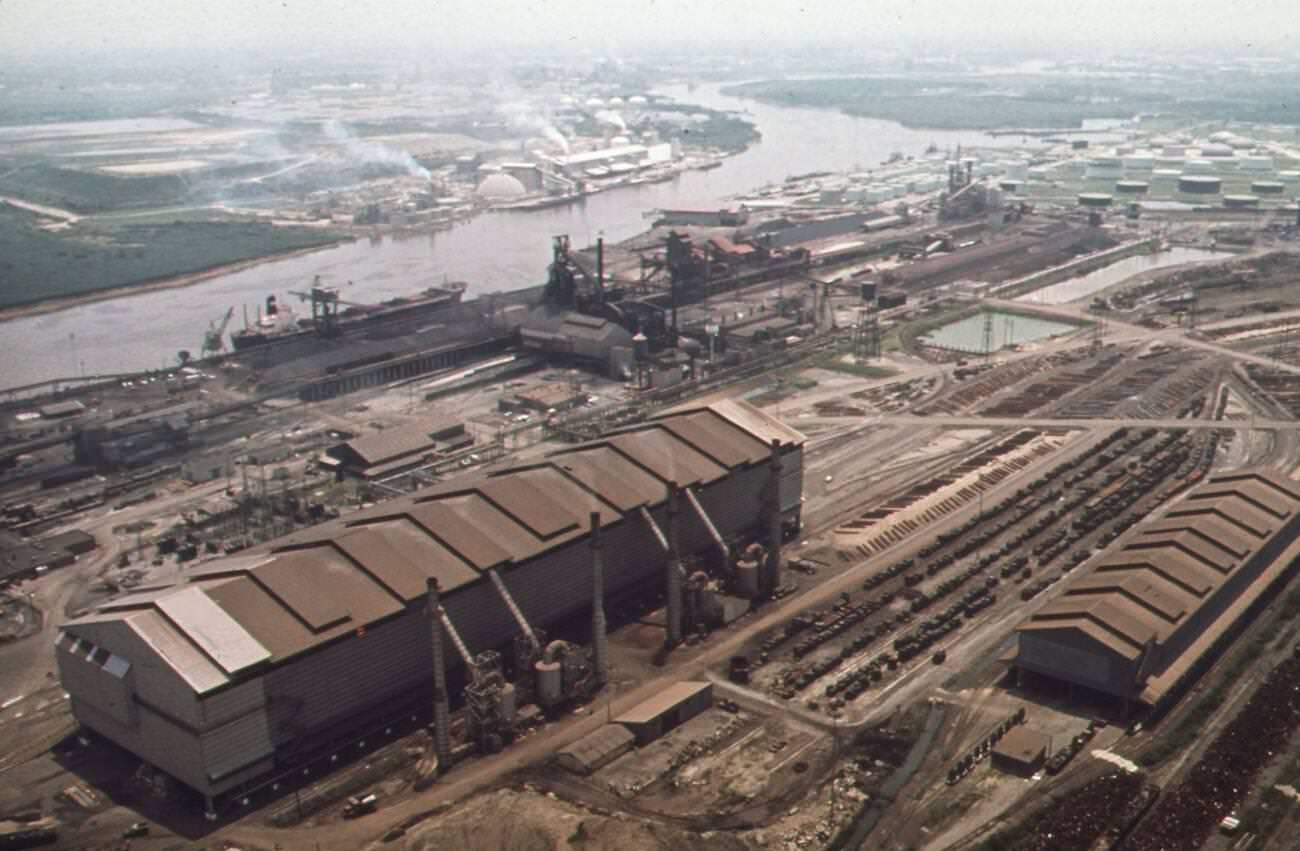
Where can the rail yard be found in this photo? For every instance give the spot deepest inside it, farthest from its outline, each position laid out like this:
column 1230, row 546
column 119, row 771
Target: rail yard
column 868, row 538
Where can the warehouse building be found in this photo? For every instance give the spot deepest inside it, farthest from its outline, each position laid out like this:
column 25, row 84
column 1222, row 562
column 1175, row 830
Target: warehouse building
column 1141, row 625
column 243, row 670
column 393, row 450
column 673, row 706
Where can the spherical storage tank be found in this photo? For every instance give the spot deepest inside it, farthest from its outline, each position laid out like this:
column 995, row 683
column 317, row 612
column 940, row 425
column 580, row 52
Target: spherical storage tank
column 1239, row 201
column 1199, row 184
column 1132, row 187
column 1266, row 187
column 1094, row 199
column 500, row 186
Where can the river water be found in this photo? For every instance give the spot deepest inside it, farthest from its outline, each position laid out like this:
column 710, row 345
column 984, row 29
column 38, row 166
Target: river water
column 493, row 252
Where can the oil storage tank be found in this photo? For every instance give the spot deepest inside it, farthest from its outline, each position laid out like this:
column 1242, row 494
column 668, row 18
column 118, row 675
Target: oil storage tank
column 1199, row 184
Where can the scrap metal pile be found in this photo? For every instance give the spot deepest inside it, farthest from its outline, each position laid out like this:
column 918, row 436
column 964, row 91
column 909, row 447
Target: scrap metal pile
column 1223, row 777
column 1080, row 820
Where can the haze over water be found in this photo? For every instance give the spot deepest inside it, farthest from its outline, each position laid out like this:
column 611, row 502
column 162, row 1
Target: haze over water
column 492, row 252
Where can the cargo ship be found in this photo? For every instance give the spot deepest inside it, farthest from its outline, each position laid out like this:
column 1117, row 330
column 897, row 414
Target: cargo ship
column 279, row 323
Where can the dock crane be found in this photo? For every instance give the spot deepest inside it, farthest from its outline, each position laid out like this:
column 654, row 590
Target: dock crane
column 214, row 339
column 325, row 303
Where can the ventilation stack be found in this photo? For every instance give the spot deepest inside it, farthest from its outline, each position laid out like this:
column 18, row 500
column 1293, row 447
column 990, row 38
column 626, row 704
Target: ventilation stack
column 674, row 636
column 772, row 566
column 441, row 708
column 599, row 645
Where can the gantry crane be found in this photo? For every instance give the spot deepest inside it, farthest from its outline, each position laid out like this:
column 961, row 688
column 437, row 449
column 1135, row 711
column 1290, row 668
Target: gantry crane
column 214, row 339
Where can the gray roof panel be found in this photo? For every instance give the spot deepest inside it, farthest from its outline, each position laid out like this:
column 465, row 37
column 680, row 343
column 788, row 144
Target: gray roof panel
column 216, row 633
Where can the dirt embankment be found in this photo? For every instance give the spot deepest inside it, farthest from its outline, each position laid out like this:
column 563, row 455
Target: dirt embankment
column 510, row 820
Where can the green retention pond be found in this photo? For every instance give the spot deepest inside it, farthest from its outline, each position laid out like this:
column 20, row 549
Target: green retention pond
column 1007, row 329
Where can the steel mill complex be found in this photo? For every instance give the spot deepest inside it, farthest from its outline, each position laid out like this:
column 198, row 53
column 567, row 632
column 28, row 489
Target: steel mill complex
column 242, row 669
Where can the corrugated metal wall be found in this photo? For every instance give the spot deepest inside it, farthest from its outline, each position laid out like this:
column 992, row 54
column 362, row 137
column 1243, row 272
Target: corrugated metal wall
column 154, row 739
column 156, row 684
column 349, row 676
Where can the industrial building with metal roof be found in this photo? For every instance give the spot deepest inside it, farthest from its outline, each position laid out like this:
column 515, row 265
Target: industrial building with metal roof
column 231, row 675
column 393, row 449
column 1137, row 625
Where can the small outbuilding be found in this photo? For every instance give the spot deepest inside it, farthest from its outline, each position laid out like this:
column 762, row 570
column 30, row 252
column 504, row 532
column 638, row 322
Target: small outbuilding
column 1021, row 751
column 597, row 749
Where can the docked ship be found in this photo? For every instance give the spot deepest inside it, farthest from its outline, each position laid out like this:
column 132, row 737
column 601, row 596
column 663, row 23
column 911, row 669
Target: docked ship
column 334, row 316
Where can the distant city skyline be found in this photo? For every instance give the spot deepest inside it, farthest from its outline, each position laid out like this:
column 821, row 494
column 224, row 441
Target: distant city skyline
column 606, row 27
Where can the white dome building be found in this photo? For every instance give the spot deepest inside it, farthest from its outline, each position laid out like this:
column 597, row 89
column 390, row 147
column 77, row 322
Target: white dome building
column 499, row 187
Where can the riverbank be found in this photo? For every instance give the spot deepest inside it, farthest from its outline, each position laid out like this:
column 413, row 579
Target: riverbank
column 57, row 303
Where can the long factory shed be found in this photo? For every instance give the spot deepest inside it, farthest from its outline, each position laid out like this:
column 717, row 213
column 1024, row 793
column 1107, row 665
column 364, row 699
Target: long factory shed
column 234, row 674
column 1141, row 624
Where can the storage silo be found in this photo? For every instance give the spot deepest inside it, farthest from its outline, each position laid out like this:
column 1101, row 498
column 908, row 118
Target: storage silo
column 1104, row 168
column 1094, row 199
column 1199, row 184
column 1255, row 162
column 1139, row 162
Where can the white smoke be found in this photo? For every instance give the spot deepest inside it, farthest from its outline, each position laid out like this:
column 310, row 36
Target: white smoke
column 525, row 117
column 361, row 151
column 612, row 118
column 557, row 137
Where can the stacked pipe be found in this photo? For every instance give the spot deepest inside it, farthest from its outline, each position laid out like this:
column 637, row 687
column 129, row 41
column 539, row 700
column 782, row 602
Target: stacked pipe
column 674, row 613
column 441, row 707
column 599, row 645
column 771, row 577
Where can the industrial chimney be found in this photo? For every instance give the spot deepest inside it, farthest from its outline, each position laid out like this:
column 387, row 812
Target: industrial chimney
column 599, row 647
column 441, row 708
column 772, row 568
column 674, row 612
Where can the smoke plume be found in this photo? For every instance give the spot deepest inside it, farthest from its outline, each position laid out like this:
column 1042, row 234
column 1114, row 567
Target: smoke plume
column 361, row 151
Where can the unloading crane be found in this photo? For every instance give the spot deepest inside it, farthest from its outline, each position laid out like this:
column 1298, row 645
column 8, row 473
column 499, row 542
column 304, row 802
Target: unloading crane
column 214, row 339
column 325, row 303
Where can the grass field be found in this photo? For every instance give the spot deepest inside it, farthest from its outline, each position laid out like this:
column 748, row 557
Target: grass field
column 36, row 264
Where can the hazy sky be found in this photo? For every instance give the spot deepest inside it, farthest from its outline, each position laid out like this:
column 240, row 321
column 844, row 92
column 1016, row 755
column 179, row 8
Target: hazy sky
column 71, row 25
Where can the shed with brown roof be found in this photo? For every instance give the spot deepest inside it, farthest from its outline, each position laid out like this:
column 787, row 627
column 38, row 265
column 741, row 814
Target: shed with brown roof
column 1177, row 588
